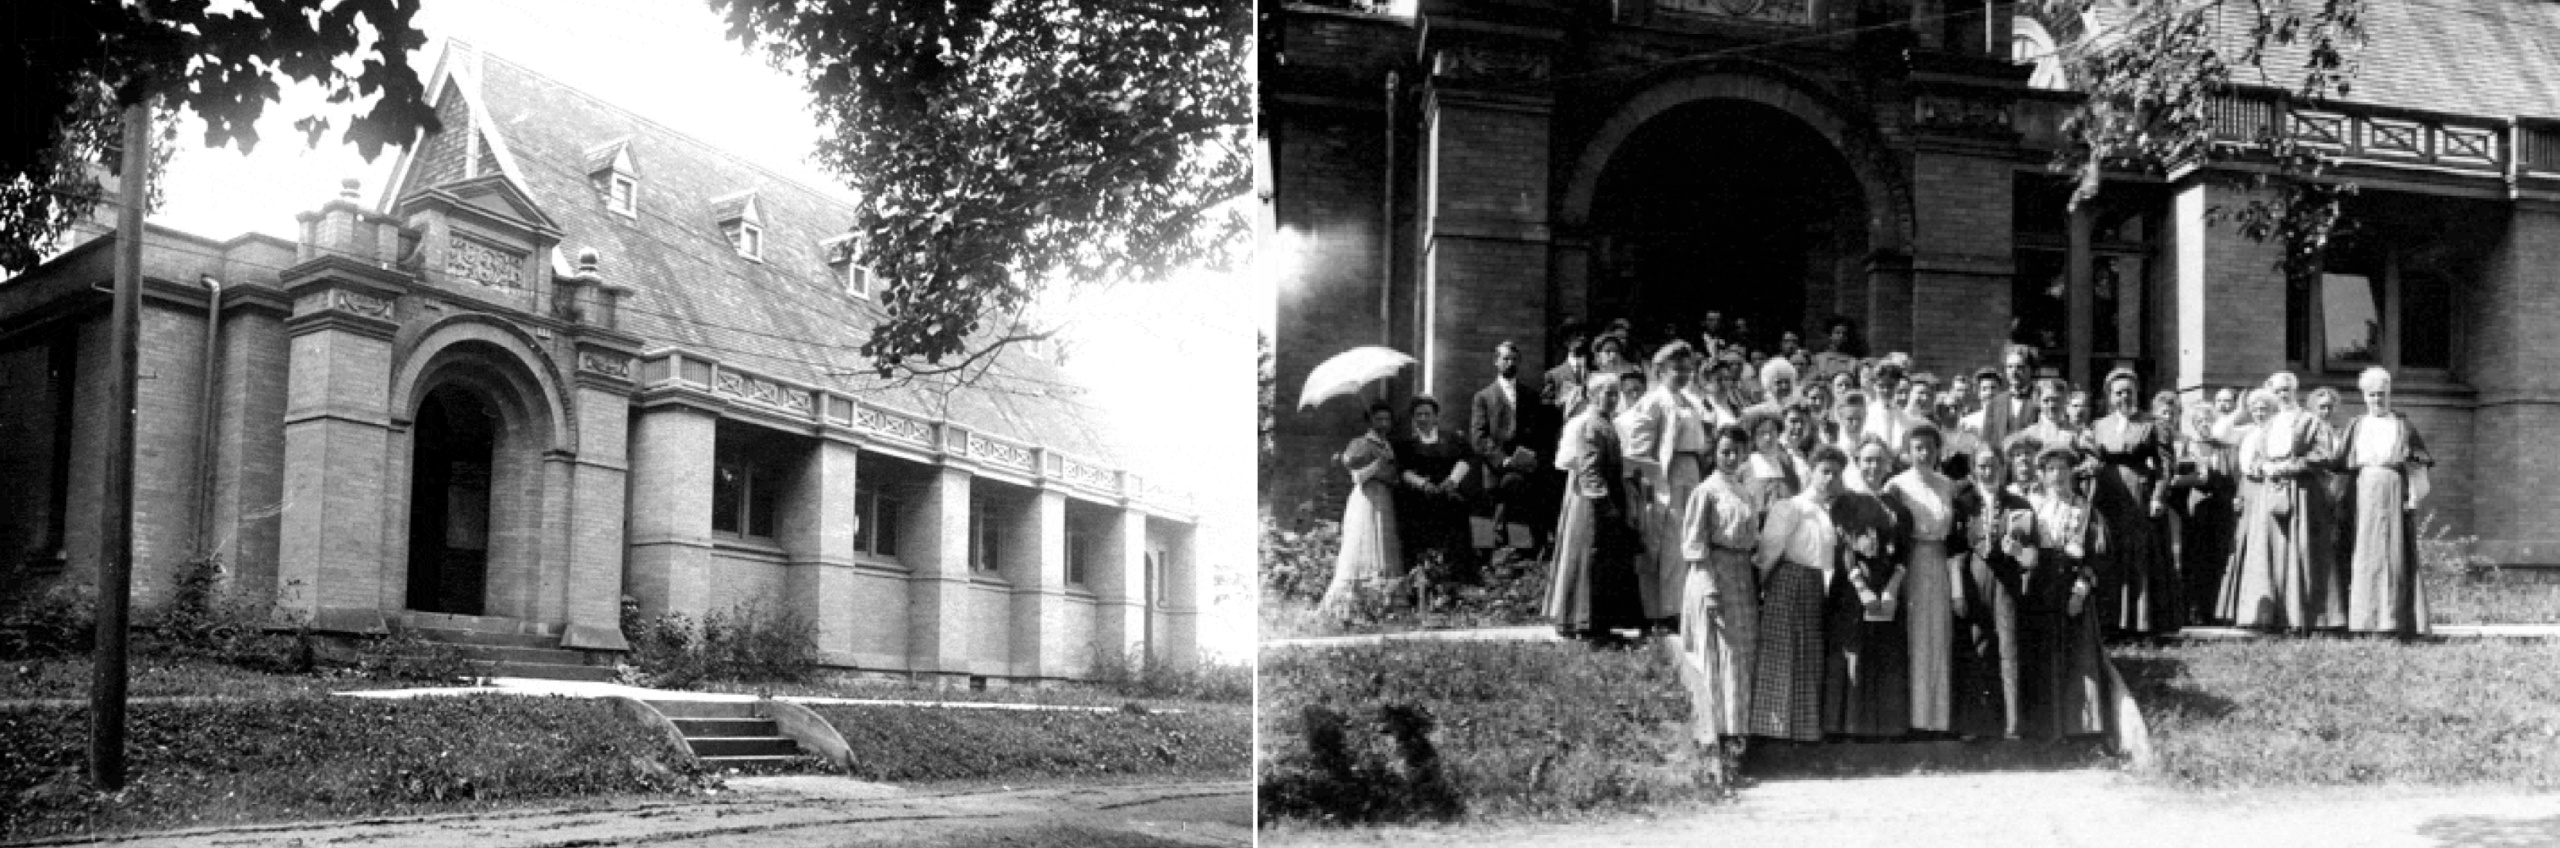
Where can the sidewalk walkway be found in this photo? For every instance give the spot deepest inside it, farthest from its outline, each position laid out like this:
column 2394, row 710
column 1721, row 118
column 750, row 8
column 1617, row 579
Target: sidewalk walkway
column 2442, row 631
column 1543, row 633
column 593, row 689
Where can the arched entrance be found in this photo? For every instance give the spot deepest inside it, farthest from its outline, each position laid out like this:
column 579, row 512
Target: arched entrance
column 454, row 446
column 1733, row 206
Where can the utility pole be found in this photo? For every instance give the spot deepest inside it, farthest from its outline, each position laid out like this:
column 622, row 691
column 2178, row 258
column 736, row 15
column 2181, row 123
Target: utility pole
column 115, row 546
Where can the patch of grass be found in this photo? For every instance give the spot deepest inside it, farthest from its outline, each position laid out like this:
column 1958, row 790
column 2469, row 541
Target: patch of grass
column 203, row 764
column 905, row 744
column 1509, row 589
column 2327, row 712
column 1444, row 730
column 2499, row 597
column 163, row 676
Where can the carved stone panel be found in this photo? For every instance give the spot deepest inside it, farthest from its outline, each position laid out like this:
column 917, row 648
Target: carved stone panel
column 1787, row 12
column 470, row 259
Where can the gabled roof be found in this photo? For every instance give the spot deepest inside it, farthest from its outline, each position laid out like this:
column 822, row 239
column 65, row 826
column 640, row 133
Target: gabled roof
column 613, row 155
column 2485, row 58
column 785, row 317
column 741, row 205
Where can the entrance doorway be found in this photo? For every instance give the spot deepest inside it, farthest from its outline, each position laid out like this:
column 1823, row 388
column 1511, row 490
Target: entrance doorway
column 455, row 441
column 1731, row 206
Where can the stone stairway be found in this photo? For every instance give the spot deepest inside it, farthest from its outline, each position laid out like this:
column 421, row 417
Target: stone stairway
column 1769, row 760
column 732, row 735
column 504, row 647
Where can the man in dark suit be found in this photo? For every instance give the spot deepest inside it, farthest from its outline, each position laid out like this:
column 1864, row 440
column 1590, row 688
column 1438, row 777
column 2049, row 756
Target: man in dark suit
column 2008, row 398
column 1506, row 433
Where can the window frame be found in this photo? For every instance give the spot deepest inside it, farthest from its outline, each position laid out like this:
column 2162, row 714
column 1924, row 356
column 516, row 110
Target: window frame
column 985, row 549
column 2388, row 265
column 747, row 239
column 876, row 514
column 622, row 194
column 759, row 491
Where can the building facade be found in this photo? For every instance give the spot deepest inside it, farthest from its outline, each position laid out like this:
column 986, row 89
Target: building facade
column 1483, row 170
column 569, row 356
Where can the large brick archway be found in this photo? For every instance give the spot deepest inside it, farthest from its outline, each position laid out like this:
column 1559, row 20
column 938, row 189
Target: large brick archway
column 484, row 367
column 1781, row 146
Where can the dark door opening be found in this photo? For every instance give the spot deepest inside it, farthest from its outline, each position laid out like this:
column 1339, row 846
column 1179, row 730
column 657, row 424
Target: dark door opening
column 455, row 438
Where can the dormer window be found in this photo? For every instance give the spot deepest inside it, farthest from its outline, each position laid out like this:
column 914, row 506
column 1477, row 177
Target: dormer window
column 609, row 168
column 742, row 224
column 853, row 276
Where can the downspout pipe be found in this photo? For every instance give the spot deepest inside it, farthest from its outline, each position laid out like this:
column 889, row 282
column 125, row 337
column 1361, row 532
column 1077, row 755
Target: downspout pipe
column 210, row 401
column 1387, row 235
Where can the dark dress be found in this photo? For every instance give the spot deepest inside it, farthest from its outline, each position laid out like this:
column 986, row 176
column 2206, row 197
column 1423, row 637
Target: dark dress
column 1435, row 523
column 1986, row 638
column 1866, row 688
column 2060, row 664
column 2211, row 523
column 2137, row 589
column 1594, row 584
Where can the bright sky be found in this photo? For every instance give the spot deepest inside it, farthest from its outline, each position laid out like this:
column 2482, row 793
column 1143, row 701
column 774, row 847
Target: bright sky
column 1171, row 362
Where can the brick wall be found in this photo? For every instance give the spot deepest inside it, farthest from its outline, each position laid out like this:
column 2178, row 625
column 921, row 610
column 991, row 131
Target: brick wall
column 1959, row 308
column 2508, row 356
column 28, row 421
column 1328, row 197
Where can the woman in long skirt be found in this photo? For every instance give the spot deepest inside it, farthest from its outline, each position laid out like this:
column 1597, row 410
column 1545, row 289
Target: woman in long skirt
column 2332, row 487
column 2068, row 699
column 1593, row 590
column 1719, row 530
column 2383, row 452
column 1369, row 545
column 1923, row 503
column 1866, row 690
column 1985, row 661
column 2260, row 406
column 2136, row 592
column 1798, row 553
column 2278, row 544
column 1672, row 455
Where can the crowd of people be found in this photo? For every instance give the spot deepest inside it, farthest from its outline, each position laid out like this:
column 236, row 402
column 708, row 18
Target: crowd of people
column 1843, row 546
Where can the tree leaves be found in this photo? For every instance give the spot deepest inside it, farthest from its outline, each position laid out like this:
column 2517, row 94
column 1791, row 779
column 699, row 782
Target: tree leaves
column 1000, row 148
column 2151, row 71
column 74, row 64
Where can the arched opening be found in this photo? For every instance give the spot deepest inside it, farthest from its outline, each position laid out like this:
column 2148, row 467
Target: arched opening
column 1732, row 206
column 454, row 446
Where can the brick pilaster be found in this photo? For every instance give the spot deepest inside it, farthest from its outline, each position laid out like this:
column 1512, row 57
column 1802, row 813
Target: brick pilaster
column 670, row 509
column 936, row 550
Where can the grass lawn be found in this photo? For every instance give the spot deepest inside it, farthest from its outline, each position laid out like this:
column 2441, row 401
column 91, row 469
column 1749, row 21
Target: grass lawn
column 150, row 676
column 298, row 758
column 2499, row 597
column 2329, row 712
column 1469, row 729
column 929, row 744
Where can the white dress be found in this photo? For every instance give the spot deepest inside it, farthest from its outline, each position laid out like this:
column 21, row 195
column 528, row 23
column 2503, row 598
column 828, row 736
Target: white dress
column 1368, row 528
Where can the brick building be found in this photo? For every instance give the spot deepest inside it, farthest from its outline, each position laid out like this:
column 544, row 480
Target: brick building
column 1489, row 169
column 570, row 356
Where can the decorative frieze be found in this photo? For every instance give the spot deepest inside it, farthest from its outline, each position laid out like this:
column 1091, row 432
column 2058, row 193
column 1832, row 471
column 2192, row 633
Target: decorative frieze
column 1087, row 475
column 759, row 390
column 872, row 419
column 2318, row 129
column 1784, row 12
column 996, row 452
column 371, row 306
column 608, row 364
column 1490, row 63
column 1962, row 113
column 486, row 264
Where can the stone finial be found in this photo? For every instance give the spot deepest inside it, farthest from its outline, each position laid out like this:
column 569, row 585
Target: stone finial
column 587, row 258
column 348, row 189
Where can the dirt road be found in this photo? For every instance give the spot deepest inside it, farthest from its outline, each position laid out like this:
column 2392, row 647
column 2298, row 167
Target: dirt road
column 2076, row 809
column 800, row 811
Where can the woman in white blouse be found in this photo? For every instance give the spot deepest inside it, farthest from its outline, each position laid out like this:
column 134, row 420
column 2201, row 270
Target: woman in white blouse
column 1798, row 554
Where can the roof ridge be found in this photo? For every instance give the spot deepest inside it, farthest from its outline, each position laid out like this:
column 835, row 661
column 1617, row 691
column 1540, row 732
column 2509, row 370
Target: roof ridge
column 722, row 152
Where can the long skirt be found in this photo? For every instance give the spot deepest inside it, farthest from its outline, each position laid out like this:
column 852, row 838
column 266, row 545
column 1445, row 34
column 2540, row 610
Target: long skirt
column 2270, row 584
column 2136, row 588
column 1369, row 549
column 1717, row 642
column 2388, row 596
column 1984, row 665
column 2333, row 520
column 1928, row 619
column 2084, row 675
column 2207, row 549
column 1671, row 570
column 1593, row 589
column 2044, row 638
column 1866, row 688
column 1786, row 667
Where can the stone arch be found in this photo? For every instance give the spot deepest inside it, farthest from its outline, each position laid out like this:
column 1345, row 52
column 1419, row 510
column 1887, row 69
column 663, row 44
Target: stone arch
column 1860, row 143
column 500, row 367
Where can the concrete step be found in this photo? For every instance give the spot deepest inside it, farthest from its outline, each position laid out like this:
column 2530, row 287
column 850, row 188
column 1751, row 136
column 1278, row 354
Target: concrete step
column 512, row 655
column 706, row 709
column 742, row 746
column 485, row 638
column 754, row 763
column 1772, row 760
column 478, row 623
column 544, row 671
column 693, row 727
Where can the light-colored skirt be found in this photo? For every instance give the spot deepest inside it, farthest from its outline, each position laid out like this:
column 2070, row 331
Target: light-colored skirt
column 1786, row 667
column 1670, row 569
column 2388, row 596
column 1369, row 547
column 1928, row 617
column 1717, row 643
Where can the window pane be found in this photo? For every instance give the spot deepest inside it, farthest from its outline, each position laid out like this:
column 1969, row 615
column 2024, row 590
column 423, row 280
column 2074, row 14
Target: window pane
column 2350, row 318
column 885, row 529
column 728, row 492
column 2119, row 285
column 2036, row 310
column 763, row 492
column 865, row 506
column 2426, row 320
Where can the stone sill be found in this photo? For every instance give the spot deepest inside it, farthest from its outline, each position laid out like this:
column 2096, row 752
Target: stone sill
column 749, row 547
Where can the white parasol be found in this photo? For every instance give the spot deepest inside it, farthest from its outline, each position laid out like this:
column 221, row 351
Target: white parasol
column 1349, row 370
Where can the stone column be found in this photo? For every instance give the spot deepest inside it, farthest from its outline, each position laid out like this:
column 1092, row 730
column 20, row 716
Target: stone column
column 2504, row 467
column 817, row 527
column 670, row 506
column 1120, row 585
column 935, row 547
column 1178, row 637
column 1039, row 586
column 336, row 433
column 598, row 492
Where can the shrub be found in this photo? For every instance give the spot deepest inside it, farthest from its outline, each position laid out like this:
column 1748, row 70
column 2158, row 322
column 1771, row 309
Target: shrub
column 206, row 620
column 2440, row 552
column 62, row 621
column 1298, row 564
column 747, row 644
column 1132, row 675
column 405, row 655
